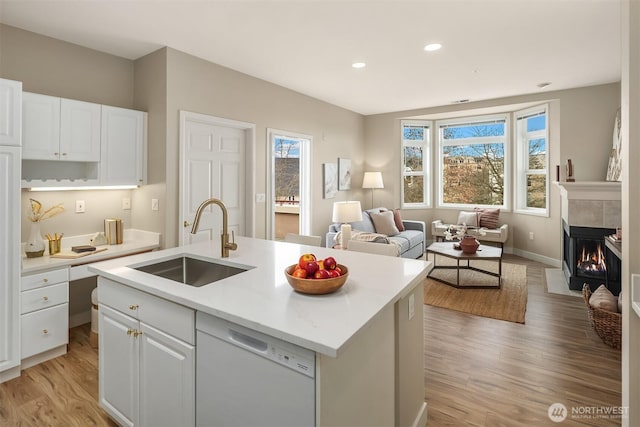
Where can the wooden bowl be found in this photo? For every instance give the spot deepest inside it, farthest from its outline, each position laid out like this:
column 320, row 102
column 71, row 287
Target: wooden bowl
column 316, row 286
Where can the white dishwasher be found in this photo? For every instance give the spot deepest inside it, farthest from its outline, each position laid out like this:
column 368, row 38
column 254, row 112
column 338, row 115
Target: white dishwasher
column 246, row 378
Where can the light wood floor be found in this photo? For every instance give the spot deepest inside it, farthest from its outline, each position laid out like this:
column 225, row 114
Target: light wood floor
column 485, row 372
column 478, row 371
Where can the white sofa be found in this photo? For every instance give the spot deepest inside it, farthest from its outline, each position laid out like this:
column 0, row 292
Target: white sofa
column 495, row 235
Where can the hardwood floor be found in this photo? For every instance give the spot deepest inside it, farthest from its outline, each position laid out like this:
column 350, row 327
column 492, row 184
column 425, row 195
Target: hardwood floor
column 478, row 371
column 60, row 392
column 485, row 372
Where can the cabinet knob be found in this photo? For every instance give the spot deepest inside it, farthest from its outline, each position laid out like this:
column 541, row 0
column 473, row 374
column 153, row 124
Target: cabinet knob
column 137, row 333
column 45, row 280
column 186, row 224
column 56, row 154
column 45, row 331
column 45, row 298
column 129, row 331
column 133, row 307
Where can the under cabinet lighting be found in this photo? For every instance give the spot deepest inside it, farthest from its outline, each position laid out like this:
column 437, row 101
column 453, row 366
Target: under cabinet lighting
column 432, row 47
column 358, row 65
column 104, row 187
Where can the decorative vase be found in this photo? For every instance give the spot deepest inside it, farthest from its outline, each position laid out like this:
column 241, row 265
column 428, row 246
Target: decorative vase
column 469, row 245
column 34, row 247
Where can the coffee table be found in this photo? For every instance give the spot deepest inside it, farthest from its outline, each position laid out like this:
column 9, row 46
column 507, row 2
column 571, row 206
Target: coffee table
column 484, row 253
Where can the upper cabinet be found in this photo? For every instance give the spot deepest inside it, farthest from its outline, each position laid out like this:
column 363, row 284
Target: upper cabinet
column 60, row 129
column 69, row 143
column 10, row 117
column 123, row 147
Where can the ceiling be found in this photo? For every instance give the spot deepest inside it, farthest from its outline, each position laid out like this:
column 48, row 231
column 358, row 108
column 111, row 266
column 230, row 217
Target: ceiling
column 491, row 48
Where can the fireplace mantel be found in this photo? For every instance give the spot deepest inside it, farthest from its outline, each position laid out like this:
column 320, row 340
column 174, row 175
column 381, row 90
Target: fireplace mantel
column 590, row 190
column 591, row 203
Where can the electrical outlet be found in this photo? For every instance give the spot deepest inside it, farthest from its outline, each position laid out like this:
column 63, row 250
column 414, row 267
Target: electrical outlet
column 79, row 206
column 155, row 206
column 531, row 235
column 411, row 306
column 126, row 203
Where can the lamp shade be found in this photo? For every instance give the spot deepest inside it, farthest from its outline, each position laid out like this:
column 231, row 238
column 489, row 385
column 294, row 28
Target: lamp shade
column 347, row 212
column 372, row 180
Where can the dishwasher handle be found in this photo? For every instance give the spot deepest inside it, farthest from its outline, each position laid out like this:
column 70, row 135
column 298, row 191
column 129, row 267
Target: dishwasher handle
column 248, row 341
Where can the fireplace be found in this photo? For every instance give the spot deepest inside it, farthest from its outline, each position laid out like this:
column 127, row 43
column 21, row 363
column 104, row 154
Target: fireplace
column 588, row 260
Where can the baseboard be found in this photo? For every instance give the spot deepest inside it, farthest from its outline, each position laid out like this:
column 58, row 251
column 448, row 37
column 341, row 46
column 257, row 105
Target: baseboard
column 10, row 374
column 552, row 262
column 79, row 319
column 43, row 357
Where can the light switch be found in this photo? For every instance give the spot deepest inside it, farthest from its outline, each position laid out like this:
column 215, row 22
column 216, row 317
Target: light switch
column 79, row 206
column 126, row 203
column 155, row 206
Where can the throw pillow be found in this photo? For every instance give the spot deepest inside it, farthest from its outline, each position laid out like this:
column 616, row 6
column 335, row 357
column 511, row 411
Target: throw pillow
column 398, row 220
column 620, row 302
column 603, row 299
column 384, row 223
column 488, row 217
column 469, row 219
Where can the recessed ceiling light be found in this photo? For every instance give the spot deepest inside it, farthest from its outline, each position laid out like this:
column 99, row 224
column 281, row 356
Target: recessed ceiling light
column 358, row 65
column 431, row 47
column 544, row 85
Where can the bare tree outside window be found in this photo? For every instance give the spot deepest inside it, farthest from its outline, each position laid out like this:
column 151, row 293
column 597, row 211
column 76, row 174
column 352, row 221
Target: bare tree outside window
column 287, row 171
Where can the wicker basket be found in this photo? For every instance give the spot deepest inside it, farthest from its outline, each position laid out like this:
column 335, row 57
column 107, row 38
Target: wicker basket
column 608, row 325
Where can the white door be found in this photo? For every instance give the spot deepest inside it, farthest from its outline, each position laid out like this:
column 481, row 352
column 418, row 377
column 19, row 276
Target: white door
column 119, row 357
column 167, row 380
column 213, row 163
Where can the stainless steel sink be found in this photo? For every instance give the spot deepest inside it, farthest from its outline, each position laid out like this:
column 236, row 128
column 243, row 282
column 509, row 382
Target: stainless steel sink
column 193, row 271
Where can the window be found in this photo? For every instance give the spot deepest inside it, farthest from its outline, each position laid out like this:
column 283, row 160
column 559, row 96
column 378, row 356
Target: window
column 478, row 146
column 532, row 161
column 416, row 137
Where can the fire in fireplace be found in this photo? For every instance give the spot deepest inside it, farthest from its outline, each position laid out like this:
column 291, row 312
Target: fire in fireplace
column 588, row 260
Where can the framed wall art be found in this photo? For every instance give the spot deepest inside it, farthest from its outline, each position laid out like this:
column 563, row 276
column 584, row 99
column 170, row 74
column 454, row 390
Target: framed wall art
column 344, row 174
column 329, row 180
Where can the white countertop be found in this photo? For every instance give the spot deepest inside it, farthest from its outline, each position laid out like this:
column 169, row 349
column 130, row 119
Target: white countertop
column 134, row 241
column 261, row 298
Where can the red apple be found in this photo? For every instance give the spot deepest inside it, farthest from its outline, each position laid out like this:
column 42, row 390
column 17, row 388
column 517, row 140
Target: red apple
column 321, row 274
column 311, row 268
column 305, row 259
column 330, row 263
column 333, row 273
column 300, row 273
column 338, row 269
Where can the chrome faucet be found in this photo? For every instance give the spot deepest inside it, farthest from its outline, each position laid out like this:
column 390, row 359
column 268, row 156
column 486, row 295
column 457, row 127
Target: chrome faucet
column 226, row 246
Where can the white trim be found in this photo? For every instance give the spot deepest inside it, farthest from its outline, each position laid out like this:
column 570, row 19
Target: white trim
column 427, row 171
column 306, row 142
column 250, row 164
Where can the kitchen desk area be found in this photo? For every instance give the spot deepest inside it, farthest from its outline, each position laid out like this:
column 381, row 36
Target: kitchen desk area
column 55, row 293
column 364, row 343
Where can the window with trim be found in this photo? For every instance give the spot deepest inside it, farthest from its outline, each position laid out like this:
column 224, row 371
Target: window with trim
column 472, row 160
column 532, row 161
column 416, row 146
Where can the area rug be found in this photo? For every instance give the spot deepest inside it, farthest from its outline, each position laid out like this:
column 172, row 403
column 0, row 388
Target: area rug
column 507, row 303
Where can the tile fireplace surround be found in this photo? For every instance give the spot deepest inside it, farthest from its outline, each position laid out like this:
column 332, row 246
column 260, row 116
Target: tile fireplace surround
column 590, row 210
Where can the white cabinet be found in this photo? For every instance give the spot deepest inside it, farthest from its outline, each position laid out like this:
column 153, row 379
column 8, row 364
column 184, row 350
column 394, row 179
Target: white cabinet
column 123, row 158
column 147, row 358
column 9, row 262
column 10, row 112
column 60, row 129
column 44, row 310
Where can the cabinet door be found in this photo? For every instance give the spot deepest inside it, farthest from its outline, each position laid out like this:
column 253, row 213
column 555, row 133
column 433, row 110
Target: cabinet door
column 79, row 131
column 119, row 366
column 123, row 144
column 9, row 257
column 10, row 112
column 167, row 380
column 40, row 127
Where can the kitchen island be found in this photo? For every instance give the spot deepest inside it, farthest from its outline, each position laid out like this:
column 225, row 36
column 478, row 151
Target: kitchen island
column 367, row 336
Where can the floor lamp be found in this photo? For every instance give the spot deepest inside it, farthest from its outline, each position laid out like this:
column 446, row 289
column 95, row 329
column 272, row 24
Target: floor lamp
column 346, row 212
column 372, row 180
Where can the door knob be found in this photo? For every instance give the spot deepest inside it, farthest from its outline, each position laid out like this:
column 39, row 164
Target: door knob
column 186, row 224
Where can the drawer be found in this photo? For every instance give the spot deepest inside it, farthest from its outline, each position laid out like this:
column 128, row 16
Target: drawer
column 44, row 297
column 34, row 281
column 174, row 319
column 44, row 329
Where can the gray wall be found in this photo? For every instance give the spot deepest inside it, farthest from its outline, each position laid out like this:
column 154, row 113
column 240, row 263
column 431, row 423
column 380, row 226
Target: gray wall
column 581, row 129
